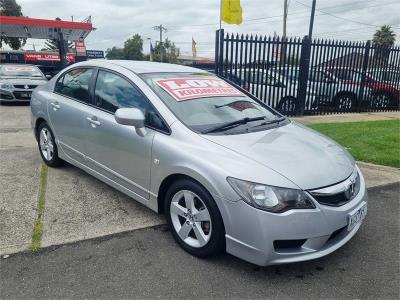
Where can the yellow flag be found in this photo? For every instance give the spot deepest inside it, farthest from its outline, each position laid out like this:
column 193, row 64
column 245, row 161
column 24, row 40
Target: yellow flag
column 231, row 11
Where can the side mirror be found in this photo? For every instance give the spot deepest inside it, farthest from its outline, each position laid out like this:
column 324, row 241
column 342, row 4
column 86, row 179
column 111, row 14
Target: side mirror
column 131, row 117
column 48, row 76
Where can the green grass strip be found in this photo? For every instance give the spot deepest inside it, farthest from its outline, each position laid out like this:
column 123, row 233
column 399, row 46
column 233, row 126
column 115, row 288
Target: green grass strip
column 370, row 141
column 38, row 228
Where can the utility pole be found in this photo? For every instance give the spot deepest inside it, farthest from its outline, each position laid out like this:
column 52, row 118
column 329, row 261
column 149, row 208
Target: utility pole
column 285, row 11
column 161, row 29
column 310, row 30
column 283, row 47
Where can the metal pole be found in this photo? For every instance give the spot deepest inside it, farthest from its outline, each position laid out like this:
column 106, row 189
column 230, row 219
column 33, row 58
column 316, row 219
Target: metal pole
column 220, row 15
column 284, row 18
column 310, row 30
column 161, row 45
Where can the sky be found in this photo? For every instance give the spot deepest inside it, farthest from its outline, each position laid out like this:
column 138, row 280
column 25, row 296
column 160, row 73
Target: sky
column 117, row 20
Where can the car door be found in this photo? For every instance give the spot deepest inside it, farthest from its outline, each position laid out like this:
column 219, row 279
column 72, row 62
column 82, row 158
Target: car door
column 114, row 150
column 65, row 106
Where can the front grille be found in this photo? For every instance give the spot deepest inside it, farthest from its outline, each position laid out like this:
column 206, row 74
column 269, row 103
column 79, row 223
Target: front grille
column 340, row 193
column 23, row 95
column 332, row 200
column 22, row 86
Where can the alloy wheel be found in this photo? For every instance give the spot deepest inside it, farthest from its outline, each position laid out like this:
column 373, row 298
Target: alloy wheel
column 46, row 143
column 190, row 218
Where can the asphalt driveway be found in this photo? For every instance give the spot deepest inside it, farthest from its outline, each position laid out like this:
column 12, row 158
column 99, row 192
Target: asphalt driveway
column 147, row 263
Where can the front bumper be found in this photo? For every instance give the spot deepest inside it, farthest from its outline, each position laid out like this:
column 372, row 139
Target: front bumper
column 254, row 235
column 20, row 95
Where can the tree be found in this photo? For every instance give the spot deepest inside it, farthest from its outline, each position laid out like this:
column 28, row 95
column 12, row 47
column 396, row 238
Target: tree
column 169, row 50
column 115, row 53
column 11, row 8
column 133, row 48
column 384, row 37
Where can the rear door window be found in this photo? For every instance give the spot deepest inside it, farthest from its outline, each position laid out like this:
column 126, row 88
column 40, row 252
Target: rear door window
column 75, row 84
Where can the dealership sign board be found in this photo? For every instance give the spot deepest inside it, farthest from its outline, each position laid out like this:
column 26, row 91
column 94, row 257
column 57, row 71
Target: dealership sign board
column 80, row 48
column 94, row 54
column 46, row 57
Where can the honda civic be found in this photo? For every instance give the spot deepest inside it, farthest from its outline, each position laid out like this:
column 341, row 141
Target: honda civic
column 229, row 173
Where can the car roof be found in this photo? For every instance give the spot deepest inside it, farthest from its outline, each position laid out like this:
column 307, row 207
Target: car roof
column 141, row 67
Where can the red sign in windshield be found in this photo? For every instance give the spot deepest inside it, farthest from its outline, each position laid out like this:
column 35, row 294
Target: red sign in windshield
column 197, row 87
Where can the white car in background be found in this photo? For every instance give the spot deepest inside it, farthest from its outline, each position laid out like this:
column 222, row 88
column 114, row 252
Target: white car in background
column 17, row 81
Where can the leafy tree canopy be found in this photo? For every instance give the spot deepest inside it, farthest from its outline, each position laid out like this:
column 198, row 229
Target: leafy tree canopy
column 133, row 48
column 115, row 53
column 384, row 37
column 11, row 8
column 169, row 50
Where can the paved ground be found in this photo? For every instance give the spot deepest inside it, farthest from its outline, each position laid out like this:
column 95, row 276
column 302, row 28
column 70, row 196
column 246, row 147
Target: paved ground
column 78, row 206
column 147, row 263
column 341, row 118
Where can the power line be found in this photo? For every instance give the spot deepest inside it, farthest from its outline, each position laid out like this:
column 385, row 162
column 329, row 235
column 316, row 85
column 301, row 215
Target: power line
column 341, row 18
column 296, row 12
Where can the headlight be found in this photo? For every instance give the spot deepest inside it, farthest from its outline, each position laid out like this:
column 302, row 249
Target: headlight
column 270, row 198
column 6, row 86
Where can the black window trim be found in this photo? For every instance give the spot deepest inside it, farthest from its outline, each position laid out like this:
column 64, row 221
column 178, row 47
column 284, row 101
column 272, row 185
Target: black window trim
column 92, row 98
column 89, row 86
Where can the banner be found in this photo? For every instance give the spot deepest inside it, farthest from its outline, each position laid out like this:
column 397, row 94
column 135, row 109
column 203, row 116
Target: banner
column 46, row 57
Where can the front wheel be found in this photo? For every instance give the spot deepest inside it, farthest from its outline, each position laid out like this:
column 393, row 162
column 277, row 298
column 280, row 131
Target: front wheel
column 194, row 219
column 47, row 146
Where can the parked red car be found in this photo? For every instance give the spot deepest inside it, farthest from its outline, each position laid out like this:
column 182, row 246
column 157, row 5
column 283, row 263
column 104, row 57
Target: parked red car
column 385, row 87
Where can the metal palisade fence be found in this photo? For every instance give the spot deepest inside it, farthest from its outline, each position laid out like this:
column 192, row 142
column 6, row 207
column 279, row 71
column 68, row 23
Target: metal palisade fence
column 298, row 76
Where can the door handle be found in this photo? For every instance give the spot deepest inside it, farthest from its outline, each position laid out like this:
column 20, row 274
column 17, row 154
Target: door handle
column 93, row 120
column 55, row 105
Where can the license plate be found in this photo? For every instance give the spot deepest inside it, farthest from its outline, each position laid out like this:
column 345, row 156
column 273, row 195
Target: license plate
column 357, row 216
column 25, row 94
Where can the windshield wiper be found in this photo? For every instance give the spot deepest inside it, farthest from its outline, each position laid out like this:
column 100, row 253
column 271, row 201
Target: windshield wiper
column 271, row 122
column 229, row 125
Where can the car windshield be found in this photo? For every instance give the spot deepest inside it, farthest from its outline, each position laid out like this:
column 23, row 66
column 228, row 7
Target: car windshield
column 20, row 71
column 204, row 102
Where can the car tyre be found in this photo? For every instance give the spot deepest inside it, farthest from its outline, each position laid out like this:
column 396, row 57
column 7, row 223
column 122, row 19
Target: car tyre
column 345, row 102
column 382, row 100
column 194, row 219
column 47, row 146
column 288, row 105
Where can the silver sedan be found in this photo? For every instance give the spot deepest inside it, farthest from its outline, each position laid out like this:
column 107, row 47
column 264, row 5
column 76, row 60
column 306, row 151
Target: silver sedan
column 229, row 173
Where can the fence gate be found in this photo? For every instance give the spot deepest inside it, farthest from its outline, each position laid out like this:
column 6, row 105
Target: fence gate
column 298, row 76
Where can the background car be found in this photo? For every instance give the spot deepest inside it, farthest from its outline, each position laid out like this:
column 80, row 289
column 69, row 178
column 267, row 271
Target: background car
column 17, row 81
